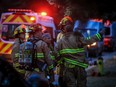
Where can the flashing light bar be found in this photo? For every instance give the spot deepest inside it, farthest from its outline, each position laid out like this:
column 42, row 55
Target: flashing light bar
column 98, row 20
column 43, row 13
column 22, row 10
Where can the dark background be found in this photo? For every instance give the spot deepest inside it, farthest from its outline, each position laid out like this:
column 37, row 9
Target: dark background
column 81, row 9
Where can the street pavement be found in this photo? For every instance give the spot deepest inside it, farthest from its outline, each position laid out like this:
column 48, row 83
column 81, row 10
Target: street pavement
column 109, row 78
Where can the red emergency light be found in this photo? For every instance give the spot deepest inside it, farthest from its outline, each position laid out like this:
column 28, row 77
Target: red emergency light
column 43, row 13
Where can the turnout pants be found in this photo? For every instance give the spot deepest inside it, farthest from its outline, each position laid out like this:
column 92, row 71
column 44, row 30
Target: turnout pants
column 75, row 77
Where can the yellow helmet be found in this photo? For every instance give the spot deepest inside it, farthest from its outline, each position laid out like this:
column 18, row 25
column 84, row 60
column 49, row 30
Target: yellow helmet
column 66, row 20
column 35, row 27
column 20, row 29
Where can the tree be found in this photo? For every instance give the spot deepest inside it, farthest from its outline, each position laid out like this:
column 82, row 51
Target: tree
column 86, row 9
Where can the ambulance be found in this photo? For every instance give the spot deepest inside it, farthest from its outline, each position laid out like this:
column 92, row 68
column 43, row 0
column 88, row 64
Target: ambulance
column 15, row 17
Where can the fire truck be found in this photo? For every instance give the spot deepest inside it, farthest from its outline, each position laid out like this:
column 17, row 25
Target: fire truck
column 109, row 41
column 15, row 17
column 88, row 29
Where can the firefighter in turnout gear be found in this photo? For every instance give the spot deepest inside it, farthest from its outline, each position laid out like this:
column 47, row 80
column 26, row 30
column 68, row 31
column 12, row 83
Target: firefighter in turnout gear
column 60, row 66
column 19, row 34
column 46, row 37
column 71, row 51
column 42, row 56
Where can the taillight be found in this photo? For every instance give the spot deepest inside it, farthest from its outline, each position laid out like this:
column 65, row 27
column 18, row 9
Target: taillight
column 106, row 41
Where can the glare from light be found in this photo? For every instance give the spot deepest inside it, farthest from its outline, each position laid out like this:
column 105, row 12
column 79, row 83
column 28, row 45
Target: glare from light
column 32, row 18
column 43, row 13
column 93, row 44
column 88, row 45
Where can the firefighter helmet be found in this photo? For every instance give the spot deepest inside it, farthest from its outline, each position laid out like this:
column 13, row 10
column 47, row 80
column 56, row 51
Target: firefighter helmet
column 66, row 24
column 65, row 21
column 20, row 29
column 35, row 28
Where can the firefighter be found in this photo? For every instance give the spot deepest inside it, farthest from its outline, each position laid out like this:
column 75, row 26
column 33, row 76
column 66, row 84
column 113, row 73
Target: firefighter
column 46, row 37
column 60, row 35
column 19, row 34
column 100, row 66
column 60, row 66
column 71, row 51
column 42, row 56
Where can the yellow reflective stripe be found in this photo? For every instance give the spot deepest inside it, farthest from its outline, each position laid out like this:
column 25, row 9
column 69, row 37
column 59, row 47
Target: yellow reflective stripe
column 27, row 19
column 98, row 36
column 17, row 55
column 6, row 47
column 76, row 63
column 71, row 50
column 40, row 55
column 52, row 57
column 9, row 18
column 50, row 67
column 18, row 19
column 36, row 69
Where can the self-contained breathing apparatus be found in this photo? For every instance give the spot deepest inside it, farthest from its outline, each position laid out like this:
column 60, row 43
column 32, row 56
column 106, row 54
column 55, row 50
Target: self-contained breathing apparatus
column 28, row 53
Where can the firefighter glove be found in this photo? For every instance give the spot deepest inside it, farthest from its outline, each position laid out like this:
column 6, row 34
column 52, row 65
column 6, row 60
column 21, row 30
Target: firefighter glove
column 51, row 73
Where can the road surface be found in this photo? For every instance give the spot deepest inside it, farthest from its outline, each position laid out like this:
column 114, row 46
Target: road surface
column 109, row 79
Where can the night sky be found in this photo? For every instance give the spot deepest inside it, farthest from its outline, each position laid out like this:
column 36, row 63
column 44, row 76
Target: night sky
column 103, row 6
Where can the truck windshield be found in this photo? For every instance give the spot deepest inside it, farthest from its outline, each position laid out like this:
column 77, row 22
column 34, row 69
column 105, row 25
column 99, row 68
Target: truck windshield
column 8, row 31
column 91, row 32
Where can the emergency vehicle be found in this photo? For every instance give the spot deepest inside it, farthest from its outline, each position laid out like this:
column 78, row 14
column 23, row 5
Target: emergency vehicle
column 109, row 41
column 88, row 29
column 15, row 17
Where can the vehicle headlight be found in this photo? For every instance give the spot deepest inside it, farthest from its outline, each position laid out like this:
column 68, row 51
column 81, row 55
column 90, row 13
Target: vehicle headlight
column 93, row 44
column 88, row 45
